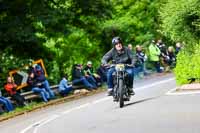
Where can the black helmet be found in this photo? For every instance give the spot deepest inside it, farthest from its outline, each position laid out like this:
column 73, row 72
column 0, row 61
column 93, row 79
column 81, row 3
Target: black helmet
column 116, row 40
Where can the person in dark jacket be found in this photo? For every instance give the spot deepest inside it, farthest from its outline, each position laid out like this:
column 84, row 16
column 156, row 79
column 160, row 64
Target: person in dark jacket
column 170, row 58
column 40, row 77
column 178, row 48
column 119, row 54
column 37, row 87
column 79, row 78
column 140, row 60
column 102, row 71
column 91, row 75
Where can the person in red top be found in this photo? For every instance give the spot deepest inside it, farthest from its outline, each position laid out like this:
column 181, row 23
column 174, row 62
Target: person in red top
column 10, row 88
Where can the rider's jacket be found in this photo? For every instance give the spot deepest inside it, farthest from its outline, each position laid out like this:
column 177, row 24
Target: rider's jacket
column 125, row 56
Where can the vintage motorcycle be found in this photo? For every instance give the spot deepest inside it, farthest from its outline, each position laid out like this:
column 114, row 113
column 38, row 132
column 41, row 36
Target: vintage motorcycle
column 120, row 81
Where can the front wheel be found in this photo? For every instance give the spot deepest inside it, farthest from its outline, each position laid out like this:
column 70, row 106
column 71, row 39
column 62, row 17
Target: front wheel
column 121, row 93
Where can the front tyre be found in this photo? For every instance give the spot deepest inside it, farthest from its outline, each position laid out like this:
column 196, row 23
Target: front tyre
column 121, row 93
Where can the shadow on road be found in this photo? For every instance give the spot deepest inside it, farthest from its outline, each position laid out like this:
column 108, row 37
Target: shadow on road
column 140, row 101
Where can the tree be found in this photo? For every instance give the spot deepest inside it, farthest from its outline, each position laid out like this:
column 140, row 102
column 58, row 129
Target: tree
column 181, row 22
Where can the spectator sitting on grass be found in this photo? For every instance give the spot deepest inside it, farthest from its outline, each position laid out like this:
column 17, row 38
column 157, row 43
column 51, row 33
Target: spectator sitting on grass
column 64, row 88
column 10, row 87
column 6, row 103
column 37, row 87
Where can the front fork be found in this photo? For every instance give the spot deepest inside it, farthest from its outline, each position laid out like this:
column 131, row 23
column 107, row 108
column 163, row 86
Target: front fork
column 118, row 76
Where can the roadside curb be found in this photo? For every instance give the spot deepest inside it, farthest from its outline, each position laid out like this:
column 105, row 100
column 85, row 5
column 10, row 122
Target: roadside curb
column 189, row 87
column 54, row 102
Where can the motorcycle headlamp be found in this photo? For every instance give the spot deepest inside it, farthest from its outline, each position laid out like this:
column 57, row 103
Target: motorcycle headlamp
column 120, row 67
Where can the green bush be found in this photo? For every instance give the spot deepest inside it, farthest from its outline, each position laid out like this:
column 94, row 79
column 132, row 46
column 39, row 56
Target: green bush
column 180, row 22
column 188, row 66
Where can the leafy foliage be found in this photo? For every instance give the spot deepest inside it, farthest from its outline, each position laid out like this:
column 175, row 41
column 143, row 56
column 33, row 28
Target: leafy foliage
column 187, row 67
column 135, row 21
column 10, row 62
column 181, row 22
column 65, row 32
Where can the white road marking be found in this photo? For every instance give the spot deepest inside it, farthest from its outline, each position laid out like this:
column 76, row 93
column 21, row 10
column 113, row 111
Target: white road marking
column 101, row 100
column 33, row 125
column 53, row 117
column 45, row 122
column 82, row 106
column 68, row 111
column 170, row 91
column 154, row 84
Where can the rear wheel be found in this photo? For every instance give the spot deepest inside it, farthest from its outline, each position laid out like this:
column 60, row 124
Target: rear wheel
column 121, row 93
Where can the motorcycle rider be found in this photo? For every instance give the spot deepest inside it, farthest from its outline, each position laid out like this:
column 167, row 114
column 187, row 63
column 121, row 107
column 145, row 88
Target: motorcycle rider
column 123, row 55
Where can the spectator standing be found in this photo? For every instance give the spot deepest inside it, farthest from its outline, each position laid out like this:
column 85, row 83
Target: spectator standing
column 162, row 47
column 163, row 52
column 140, row 60
column 170, row 58
column 178, row 47
column 130, row 46
column 154, row 55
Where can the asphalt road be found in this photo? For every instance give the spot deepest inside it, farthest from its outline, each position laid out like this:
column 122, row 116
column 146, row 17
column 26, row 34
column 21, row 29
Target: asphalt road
column 151, row 110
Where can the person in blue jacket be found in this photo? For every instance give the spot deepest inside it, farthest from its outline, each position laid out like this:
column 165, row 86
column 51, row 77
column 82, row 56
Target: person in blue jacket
column 64, row 88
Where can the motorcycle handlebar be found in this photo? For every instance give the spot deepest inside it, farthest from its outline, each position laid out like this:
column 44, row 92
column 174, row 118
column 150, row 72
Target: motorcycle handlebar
column 113, row 65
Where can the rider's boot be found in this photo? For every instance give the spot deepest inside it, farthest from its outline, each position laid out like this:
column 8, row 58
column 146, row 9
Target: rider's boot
column 115, row 99
column 130, row 91
column 110, row 92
